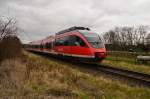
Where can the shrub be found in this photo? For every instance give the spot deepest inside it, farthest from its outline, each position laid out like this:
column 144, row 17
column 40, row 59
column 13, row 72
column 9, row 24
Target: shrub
column 10, row 47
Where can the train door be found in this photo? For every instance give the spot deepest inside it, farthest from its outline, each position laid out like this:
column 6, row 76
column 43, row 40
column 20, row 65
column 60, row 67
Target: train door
column 62, row 45
column 78, row 46
column 66, row 47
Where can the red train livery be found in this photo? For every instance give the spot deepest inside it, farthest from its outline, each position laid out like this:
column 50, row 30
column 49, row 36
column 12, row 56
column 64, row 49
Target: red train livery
column 75, row 43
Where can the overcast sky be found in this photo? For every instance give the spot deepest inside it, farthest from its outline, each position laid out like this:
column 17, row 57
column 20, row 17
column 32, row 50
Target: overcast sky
column 40, row 18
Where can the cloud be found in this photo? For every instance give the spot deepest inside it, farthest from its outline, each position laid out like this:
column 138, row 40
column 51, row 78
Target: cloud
column 40, row 18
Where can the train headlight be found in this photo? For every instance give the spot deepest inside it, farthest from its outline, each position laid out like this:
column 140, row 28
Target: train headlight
column 99, row 55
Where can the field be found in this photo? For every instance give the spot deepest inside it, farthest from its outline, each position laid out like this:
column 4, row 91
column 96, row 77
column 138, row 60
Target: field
column 33, row 76
column 126, row 62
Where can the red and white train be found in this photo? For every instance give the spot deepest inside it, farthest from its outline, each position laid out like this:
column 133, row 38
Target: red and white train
column 75, row 43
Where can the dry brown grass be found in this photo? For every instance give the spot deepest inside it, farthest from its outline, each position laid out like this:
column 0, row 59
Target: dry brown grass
column 35, row 77
column 51, row 78
column 126, row 63
column 12, row 77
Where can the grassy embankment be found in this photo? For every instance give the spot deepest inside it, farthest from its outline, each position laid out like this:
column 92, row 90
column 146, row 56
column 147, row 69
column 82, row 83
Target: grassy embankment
column 35, row 76
column 126, row 61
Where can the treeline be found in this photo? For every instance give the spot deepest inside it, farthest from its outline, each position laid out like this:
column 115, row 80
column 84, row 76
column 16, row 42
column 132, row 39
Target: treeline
column 128, row 39
column 10, row 45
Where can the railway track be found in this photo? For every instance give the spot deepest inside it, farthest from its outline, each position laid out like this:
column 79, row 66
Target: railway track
column 139, row 79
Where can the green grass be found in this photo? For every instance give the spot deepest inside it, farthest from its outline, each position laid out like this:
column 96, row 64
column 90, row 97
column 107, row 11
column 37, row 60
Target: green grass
column 126, row 63
column 50, row 78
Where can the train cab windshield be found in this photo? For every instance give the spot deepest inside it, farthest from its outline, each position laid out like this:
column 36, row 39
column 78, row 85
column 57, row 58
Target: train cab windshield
column 93, row 38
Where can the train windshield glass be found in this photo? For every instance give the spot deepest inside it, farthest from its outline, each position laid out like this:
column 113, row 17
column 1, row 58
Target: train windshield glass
column 94, row 39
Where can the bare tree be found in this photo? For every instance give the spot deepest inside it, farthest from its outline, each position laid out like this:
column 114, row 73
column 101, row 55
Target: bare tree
column 126, row 38
column 109, row 37
column 147, row 42
column 142, row 34
column 148, row 39
column 7, row 27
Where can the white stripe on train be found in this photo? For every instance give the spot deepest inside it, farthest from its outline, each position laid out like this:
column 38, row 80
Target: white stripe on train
column 64, row 54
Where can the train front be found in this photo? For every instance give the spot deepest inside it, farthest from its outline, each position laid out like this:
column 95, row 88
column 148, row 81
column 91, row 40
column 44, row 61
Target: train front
column 96, row 44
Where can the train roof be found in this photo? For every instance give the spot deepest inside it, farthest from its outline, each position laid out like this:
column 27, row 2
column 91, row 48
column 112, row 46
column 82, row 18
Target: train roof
column 87, row 32
column 43, row 41
column 73, row 29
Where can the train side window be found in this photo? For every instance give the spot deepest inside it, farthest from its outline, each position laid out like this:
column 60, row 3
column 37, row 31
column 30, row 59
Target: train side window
column 72, row 40
column 48, row 45
column 80, row 41
column 52, row 44
column 41, row 46
column 64, row 41
column 59, row 42
column 77, row 41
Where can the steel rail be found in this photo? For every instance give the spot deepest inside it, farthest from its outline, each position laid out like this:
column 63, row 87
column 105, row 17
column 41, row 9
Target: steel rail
column 142, row 78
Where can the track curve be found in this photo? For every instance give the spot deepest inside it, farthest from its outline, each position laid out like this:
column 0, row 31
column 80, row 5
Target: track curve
column 142, row 78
